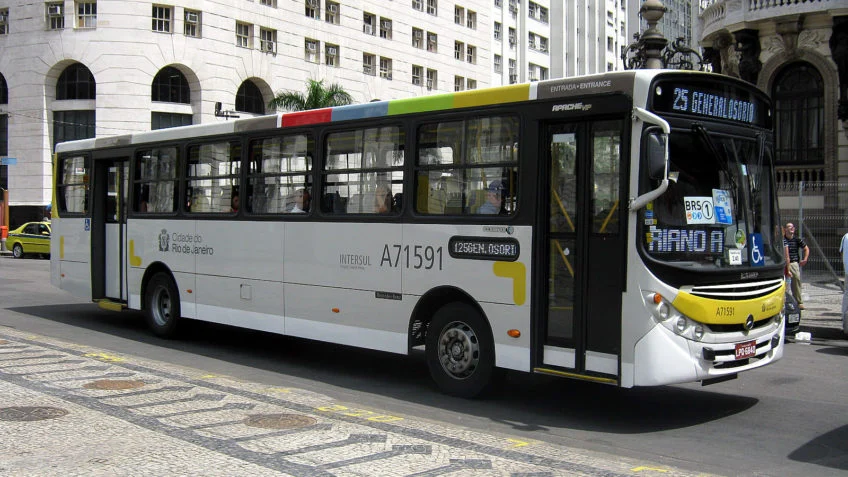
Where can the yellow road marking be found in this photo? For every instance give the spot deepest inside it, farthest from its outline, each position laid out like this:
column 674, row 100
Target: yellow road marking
column 652, row 469
column 518, row 443
column 104, row 357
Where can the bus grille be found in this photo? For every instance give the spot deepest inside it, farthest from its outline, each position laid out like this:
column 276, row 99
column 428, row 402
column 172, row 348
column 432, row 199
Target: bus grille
column 739, row 327
column 736, row 291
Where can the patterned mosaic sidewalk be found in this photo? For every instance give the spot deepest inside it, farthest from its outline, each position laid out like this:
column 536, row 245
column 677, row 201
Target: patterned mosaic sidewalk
column 73, row 411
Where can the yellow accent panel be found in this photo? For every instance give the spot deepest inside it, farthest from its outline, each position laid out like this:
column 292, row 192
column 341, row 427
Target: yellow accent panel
column 729, row 312
column 135, row 260
column 506, row 94
column 518, row 272
column 110, row 305
column 585, row 377
column 61, row 247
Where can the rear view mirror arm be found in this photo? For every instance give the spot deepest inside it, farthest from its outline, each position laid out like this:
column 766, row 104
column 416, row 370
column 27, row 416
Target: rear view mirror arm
column 636, row 203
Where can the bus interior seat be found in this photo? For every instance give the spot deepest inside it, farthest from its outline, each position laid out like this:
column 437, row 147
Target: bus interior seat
column 436, row 202
column 354, row 204
column 475, row 199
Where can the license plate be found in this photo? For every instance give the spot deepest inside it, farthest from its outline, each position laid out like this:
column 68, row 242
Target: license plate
column 747, row 349
column 793, row 318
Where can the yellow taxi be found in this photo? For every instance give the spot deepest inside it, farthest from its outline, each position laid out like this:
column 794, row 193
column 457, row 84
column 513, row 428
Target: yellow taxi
column 31, row 237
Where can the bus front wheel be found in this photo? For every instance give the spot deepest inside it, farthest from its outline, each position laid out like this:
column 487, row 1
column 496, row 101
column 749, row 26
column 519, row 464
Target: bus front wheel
column 163, row 305
column 460, row 351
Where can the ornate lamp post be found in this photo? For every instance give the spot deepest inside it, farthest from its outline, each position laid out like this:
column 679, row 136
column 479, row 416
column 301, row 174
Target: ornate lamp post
column 651, row 50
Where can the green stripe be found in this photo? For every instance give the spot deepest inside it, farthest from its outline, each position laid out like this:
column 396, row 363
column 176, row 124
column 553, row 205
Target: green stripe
column 421, row 104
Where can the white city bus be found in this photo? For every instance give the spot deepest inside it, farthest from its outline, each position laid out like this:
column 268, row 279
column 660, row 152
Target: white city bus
column 620, row 228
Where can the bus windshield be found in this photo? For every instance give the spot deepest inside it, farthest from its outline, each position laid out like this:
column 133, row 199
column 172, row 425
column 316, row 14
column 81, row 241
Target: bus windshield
column 721, row 211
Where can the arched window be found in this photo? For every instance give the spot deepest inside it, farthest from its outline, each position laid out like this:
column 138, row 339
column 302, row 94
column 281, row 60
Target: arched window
column 170, row 86
column 76, row 82
column 799, row 113
column 249, row 99
column 4, row 91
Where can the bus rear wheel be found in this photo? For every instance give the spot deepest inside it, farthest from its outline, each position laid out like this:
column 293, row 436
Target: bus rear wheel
column 162, row 300
column 460, row 351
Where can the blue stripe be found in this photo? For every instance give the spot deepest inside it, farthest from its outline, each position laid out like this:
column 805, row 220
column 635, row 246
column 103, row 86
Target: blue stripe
column 359, row 111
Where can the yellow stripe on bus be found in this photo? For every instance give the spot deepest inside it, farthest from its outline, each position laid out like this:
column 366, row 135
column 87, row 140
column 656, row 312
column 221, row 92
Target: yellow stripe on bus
column 518, row 273
column 729, row 312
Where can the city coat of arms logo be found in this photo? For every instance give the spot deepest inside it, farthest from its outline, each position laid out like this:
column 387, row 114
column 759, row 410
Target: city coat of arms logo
column 164, row 241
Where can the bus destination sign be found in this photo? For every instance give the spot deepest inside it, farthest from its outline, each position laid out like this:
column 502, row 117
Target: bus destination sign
column 484, row 248
column 726, row 102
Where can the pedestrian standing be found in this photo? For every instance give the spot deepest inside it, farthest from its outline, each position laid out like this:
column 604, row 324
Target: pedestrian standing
column 843, row 247
column 797, row 253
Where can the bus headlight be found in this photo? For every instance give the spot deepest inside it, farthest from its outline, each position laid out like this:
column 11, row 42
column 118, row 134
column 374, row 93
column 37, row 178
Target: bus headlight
column 665, row 314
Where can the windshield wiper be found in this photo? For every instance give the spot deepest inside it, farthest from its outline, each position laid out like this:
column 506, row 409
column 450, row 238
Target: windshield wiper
column 721, row 159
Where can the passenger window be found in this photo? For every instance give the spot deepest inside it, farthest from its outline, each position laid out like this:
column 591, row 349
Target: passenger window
column 363, row 171
column 468, row 167
column 155, row 181
column 279, row 179
column 72, row 186
column 212, row 183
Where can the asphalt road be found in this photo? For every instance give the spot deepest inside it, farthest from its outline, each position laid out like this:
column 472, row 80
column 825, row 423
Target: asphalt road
column 789, row 419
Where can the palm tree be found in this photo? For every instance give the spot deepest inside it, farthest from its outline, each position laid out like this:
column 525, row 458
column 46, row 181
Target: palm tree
column 317, row 96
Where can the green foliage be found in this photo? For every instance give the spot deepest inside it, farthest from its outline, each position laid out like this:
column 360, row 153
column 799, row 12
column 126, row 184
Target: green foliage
column 317, row 96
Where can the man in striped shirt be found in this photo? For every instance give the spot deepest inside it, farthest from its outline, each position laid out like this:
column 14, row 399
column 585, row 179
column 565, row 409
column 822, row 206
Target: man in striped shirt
column 793, row 248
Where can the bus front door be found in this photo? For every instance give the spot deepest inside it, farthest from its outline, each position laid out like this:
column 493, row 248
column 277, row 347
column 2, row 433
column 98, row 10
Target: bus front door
column 580, row 331
column 108, row 229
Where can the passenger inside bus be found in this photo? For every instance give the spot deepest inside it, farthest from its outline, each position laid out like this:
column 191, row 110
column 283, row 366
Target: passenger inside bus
column 494, row 199
column 383, row 200
column 301, row 202
column 234, row 202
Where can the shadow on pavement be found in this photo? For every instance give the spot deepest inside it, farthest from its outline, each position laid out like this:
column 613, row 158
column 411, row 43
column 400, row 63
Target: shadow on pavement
column 828, row 450
column 524, row 401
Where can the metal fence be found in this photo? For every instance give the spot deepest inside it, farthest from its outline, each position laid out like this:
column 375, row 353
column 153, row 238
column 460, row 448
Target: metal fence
column 820, row 213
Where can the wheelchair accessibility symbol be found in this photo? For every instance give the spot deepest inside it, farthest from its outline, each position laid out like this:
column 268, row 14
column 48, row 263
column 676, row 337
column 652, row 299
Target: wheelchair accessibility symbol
column 755, row 242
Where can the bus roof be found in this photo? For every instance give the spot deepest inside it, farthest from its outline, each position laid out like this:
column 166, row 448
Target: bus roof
column 613, row 82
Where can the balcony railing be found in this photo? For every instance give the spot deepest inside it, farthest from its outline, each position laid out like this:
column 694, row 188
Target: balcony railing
column 717, row 14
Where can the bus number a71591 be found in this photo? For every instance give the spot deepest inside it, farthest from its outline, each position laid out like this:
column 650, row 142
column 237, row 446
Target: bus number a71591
column 412, row 256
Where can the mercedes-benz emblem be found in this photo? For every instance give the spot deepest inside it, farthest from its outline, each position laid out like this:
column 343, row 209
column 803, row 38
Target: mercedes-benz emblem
column 749, row 323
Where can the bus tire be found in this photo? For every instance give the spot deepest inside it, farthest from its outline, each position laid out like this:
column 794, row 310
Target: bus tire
column 162, row 303
column 460, row 351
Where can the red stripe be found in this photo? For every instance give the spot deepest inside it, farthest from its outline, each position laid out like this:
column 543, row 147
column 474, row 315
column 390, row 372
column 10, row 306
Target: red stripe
column 307, row 117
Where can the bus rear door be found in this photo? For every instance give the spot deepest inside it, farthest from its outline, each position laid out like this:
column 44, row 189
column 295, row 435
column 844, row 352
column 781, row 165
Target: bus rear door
column 580, row 328
column 108, row 229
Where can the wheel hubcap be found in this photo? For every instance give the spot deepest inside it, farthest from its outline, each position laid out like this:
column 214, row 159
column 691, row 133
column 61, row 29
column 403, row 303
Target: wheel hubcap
column 162, row 306
column 459, row 350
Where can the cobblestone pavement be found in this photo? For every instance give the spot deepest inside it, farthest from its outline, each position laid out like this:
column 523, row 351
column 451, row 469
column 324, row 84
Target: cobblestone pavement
column 68, row 410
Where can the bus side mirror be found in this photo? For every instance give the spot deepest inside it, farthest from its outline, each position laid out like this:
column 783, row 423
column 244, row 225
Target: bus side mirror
column 656, row 156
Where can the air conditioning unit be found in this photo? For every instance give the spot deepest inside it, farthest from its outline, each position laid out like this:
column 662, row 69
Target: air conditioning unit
column 368, row 29
column 368, row 69
column 418, row 34
column 191, row 17
column 331, row 51
column 54, row 10
column 269, row 46
column 311, row 47
column 4, row 18
column 387, row 25
column 513, row 79
column 416, row 81
column 313, row 3
column 429, row 84
column 332, row 8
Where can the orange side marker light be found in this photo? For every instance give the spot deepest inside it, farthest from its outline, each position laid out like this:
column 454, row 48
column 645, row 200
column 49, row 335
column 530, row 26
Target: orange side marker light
column 514, row 333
